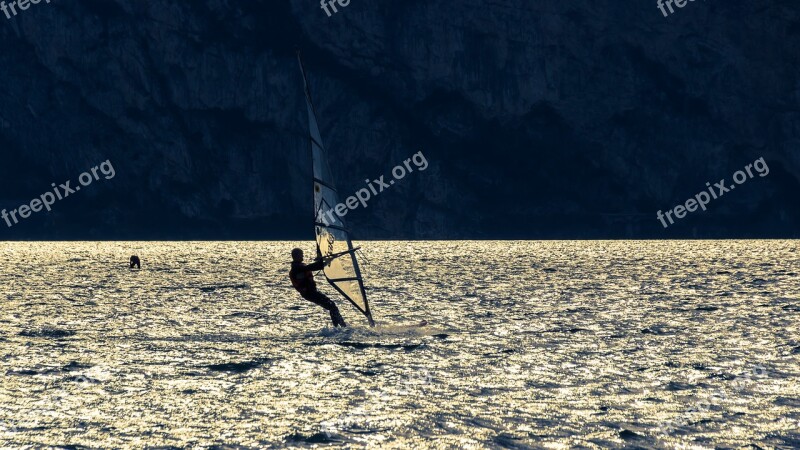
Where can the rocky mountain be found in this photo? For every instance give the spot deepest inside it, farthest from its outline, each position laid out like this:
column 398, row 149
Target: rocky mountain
column 544, row 119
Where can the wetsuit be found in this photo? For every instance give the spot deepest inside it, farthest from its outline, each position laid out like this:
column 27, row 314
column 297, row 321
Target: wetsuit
column 302, row 277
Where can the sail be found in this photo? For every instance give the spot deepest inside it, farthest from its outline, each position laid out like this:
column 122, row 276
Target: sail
column 331, row 233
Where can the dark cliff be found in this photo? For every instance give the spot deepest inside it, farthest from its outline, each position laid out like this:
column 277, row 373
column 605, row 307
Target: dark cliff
column 544, row 119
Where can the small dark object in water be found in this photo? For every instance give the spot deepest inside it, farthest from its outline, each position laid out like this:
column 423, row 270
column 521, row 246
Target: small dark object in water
column 47, row 332
column 238, row 367
column 706, row 308
column 135, row 262
column 628, row 435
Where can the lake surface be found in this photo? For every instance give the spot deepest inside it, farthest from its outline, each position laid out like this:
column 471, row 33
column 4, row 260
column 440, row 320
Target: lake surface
column 559, row 344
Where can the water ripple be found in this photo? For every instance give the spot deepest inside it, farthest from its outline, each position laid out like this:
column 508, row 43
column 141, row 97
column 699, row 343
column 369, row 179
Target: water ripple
column 607, row 344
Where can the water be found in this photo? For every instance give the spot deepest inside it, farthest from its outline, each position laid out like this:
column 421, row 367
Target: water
column 529, row 345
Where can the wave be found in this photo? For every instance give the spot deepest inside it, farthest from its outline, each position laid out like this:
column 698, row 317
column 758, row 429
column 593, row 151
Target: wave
column 363, row 345
column 316, row 438
column 47, row 332
column 224, row 286
column 238, row 367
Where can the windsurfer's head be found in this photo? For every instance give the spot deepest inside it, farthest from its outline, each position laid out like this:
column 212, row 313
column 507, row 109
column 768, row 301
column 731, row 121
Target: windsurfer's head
column 297, row 255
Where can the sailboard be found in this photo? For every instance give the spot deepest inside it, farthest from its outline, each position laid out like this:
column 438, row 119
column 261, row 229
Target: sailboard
column 332, row 235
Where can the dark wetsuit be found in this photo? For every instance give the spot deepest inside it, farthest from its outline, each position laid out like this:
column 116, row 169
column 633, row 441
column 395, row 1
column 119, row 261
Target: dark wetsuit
column 302, row 277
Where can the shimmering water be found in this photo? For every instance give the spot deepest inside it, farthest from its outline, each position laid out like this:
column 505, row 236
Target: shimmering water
column 530, row 345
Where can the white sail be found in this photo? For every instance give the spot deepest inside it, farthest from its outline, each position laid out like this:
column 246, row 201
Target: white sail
column 331, row 233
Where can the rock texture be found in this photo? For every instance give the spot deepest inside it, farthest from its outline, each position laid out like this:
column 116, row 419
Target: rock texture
column 539, row 119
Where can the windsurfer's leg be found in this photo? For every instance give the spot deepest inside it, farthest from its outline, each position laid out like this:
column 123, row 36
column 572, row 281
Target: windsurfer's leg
column 336, row 317
column 323, row 301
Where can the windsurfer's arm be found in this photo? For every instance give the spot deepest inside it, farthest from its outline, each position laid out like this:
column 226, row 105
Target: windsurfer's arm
column 319, row 265
column 325, row 260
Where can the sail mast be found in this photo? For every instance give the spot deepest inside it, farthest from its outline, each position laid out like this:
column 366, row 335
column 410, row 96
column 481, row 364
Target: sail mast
column 332, row 237
column 310, row 102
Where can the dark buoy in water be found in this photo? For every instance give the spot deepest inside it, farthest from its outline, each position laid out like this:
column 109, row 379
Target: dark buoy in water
column 135, row 262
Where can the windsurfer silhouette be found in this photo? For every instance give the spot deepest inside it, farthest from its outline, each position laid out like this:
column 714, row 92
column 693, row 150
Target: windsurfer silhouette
column 302, row 276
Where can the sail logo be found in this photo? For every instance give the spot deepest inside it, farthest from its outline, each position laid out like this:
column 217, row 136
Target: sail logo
column 326, row 4
column 374, row 187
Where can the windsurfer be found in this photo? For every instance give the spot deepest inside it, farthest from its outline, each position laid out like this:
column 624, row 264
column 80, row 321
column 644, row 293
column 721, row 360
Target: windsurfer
column 302, row 276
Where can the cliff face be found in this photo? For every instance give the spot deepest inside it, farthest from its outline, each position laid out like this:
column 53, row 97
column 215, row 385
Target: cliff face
column 552, row 119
